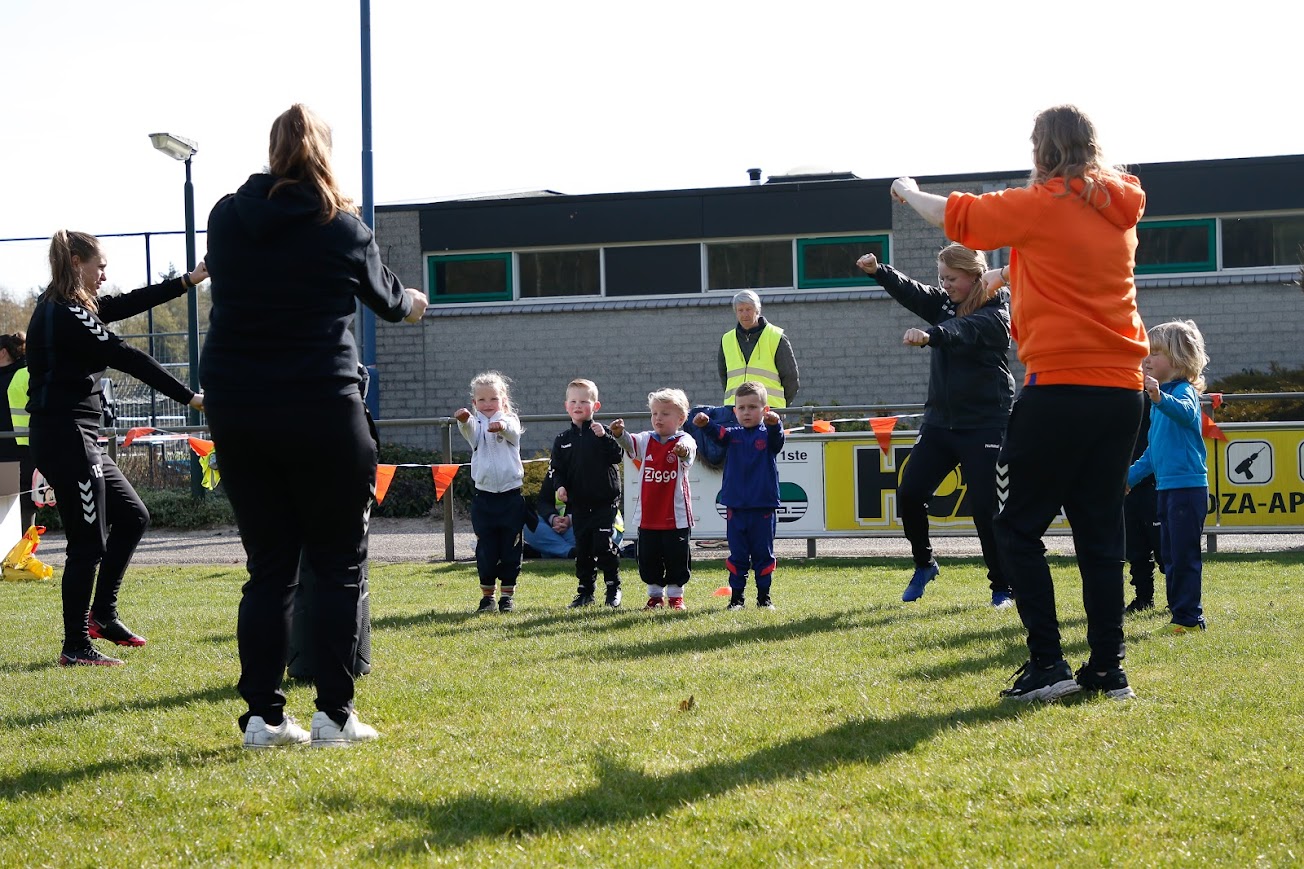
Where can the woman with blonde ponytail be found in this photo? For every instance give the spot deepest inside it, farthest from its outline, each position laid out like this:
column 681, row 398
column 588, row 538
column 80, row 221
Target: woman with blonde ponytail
column 69, row 346
column 970, row 391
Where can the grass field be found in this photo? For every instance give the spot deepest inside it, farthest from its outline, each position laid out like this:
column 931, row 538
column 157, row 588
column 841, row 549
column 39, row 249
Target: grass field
column 844, row 728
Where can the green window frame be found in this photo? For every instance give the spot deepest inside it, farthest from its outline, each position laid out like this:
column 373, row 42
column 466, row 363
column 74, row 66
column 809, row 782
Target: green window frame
column 434, row 262
column 876, row 244
column 1208, row 264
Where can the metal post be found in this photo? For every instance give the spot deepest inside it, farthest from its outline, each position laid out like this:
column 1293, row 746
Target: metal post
column 366, row 335
column 192, row 305
column 153, row 395
column 449, row 554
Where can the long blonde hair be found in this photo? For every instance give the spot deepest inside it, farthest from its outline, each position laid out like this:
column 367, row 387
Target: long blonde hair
column 1182, row 343
column 65, row 278
column 973, row 263
column 498, row 382
column 300, row 153
column 1065, row 145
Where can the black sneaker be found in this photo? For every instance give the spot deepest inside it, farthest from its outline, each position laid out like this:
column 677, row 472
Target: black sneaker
column 613, row 596
column 1042, row 683
column 584, row 598
column 505, row 604
column 114, row 631
column 763, row 601
column 736, row 601
column 1112, row 682
column 87, row 657
column 486, row 604
column 1139, row 605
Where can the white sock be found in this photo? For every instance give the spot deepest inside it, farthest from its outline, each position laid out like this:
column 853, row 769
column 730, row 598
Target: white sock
column 655, row 591
column 674, row 591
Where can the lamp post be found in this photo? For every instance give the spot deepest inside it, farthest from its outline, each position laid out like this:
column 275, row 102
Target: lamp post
column 180, row 148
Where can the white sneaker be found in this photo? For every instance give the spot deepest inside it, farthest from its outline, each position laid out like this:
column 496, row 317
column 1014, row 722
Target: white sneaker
column 259, row 734
column 327, row 734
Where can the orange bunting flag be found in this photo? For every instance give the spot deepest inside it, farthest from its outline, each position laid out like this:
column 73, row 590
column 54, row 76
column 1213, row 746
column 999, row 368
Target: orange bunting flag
column 823, row 426
column 133, row 433
column 1209, row 428
column 384, row 476
column 201, row 447
column 1216, row 399
column 443, row 476
column 882, row 426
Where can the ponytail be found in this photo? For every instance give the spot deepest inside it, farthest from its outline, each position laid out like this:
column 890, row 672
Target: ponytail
column 16, row 346
column 65, row 278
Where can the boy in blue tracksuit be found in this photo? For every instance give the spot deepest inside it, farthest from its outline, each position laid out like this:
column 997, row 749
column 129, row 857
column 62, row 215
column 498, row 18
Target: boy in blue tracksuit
column 750, row 490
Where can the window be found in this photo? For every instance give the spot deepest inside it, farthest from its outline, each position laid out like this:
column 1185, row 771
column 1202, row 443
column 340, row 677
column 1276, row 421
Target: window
column 560, row 273
column 831, row 262
column 654, row 269
column 748, row 265
column 1262, row 241
column 1175, row 246
column 485, row 277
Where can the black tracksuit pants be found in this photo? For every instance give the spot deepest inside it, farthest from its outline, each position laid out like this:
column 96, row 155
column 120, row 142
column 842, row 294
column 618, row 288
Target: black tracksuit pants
column 594, row 548
column 934, row 456
column 1143, row 539
column 289, row 503
column 103, row 519
column 498, row 519
column 1067, row 446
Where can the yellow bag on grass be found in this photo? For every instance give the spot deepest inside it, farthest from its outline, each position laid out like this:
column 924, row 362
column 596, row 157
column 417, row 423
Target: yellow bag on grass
column 21, row 565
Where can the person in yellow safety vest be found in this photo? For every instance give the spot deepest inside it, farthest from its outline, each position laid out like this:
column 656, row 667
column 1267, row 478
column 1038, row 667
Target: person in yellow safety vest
column 13, row 381
column 757, row 350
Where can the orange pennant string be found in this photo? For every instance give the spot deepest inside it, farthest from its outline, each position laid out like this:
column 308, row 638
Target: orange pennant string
column 1209, row 429
column 200, row 446
column 1216, row 399
column 443, row 475
column 882, row 426
column 133, row 433
column 823, row 426
column 384, row 476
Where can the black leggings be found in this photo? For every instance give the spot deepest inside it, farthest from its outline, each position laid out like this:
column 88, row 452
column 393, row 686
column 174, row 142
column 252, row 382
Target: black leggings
column 103, row 519
column 934, row 456
column 288, row 504
column 1070, row 447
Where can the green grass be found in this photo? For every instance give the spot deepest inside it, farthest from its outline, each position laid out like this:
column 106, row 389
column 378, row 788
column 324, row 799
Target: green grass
column 845, row 728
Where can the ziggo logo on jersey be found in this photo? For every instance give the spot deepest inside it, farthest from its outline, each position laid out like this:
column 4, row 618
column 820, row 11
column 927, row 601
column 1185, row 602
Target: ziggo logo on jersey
column 652, row 475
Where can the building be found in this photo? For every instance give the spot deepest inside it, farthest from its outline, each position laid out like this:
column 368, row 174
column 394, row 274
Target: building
column 633, row 290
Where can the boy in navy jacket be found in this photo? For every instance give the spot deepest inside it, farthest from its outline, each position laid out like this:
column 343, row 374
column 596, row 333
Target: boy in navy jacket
column 750, row 491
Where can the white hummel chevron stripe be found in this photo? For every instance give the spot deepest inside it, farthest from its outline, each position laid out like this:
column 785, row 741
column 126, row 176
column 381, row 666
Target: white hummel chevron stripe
column 1002, row 486
column 89, row 322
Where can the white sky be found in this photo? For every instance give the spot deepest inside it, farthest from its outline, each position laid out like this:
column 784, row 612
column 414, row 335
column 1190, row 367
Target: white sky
column 583, row 97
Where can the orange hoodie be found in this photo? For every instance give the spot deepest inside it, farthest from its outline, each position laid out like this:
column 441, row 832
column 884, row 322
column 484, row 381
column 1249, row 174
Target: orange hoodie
column 1073, row 300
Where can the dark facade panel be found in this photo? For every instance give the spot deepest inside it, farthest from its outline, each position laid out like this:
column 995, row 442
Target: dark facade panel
column 798, row 209
column 1223, row 186
column 654, row 269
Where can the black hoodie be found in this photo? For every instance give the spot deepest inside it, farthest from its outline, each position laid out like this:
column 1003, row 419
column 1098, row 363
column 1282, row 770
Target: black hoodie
column 284, row 286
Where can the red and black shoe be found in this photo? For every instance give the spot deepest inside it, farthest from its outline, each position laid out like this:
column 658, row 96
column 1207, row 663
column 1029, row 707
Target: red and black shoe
column 87, row 657
column 114, row 631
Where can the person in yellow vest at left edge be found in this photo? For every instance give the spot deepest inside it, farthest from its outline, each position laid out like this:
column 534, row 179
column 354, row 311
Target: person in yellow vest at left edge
column 13, row 382
column 759, row 351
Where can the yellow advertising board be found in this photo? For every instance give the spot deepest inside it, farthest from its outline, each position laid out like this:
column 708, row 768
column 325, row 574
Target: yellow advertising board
column 1256, row 476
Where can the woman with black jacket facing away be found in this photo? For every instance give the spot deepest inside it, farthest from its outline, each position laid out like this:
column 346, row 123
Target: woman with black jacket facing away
column 970, row 392
column 289, row 258
column 68, row 348
column 13, row 417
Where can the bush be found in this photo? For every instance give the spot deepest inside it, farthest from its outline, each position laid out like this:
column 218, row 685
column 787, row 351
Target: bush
column 168, row 508
column 1276, row 379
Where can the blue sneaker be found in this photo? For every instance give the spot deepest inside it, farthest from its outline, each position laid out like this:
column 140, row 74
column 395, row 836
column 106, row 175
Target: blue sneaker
column 923, row 576
column 1002, row 600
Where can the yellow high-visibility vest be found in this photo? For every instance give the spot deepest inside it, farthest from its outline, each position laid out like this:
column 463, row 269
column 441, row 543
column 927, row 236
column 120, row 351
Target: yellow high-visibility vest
column 17, row 395
column 761, row 367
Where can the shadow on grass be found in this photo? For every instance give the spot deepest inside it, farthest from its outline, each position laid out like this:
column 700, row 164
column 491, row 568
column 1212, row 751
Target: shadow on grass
column 1015, row 652
column 39, row 781
column 623, row 794
column 215, row 694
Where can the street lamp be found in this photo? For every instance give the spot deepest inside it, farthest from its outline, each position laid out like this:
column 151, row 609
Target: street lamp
column 180, row 148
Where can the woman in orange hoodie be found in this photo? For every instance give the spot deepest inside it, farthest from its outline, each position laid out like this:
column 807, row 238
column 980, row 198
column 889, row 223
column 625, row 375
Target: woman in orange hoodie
column 1072, row 234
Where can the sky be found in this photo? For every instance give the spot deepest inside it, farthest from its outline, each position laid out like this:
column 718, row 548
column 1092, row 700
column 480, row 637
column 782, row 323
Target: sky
column 587, row 97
